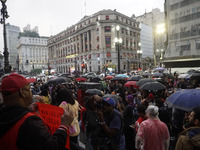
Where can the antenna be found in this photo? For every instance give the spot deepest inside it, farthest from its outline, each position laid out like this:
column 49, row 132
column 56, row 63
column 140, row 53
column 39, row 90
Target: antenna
column 85, row 6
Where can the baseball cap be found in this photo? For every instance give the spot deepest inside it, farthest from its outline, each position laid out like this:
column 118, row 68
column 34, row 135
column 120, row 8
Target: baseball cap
column 110, row 101
column 14, row 82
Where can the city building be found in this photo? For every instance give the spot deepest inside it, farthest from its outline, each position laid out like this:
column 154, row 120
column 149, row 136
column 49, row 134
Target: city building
column 33, row 53
column 146, row 40
column 156, row 20
column 94, row 44
column 12, row 34
column 28, row 28
column 183, row 36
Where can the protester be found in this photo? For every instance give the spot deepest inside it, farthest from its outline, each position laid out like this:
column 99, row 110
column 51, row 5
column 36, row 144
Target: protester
column 67, row 101
column 142, row 116
column 129, row 118
column 112, row 124
column 92, row 124
column 189, row 139
column 22, row 129
column 36, row 89
column 153, row 134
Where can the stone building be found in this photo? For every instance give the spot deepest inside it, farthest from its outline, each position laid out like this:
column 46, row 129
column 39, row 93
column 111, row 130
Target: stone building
column 183, row 24
column 33, row 53
column 90, row 44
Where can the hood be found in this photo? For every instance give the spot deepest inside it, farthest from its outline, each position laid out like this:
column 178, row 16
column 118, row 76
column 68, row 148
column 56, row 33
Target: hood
column 194, row 135
column 9, row 116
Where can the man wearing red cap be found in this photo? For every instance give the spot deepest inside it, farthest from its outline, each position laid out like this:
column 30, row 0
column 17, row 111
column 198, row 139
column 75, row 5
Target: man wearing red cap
column 22, row 129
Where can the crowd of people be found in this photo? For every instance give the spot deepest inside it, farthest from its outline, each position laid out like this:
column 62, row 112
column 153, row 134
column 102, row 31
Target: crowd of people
column 127, row 118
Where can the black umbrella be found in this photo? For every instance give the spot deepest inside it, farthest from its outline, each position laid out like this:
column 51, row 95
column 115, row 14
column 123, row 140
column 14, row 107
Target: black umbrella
column 115, row 97
column 94, row 91
column 169, row 76
column 135, row 78
column 95, row 79
column 146, row 74
column 118, row 79
column 89, row 85
column 58, row 80
column 143, row 81
column 153, row 86
column 195, row 76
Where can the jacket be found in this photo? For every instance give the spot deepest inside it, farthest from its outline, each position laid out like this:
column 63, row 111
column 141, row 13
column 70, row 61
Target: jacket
column 33, row 133
column 189, row 139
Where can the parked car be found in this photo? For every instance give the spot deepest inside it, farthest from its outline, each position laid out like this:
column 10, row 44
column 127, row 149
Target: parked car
column 89, row 75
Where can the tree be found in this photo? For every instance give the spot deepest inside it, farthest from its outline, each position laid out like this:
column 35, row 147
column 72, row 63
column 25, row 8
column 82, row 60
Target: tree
column 28, row 34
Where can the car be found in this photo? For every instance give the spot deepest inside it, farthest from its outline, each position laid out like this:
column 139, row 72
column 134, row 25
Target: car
column 89, row 75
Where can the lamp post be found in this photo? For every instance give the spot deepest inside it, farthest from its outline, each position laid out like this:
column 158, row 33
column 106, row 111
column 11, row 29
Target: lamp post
column 5, row 15
column 139, row 52
column 118, row 41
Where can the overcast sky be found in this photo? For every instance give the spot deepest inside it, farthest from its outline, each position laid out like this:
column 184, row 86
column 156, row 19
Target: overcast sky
column 54, row 16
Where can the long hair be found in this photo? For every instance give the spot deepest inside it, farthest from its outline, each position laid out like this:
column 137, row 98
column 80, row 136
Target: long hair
column 65, row 95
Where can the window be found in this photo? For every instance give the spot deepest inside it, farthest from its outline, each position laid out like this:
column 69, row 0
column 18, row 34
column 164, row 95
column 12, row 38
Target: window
column 107, row 28
column 108, row 41
column 107, row 17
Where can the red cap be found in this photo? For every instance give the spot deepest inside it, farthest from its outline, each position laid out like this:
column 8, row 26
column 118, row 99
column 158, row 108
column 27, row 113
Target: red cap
column 14, row 82
column 151, row 96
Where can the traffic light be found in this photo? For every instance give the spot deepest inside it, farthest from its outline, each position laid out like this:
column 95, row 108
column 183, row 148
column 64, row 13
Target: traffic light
column 82, row 65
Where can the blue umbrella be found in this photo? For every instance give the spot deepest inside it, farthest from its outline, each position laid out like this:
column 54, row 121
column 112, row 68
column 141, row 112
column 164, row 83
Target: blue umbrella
column 185, row 99
column 122, row 75
column 159, row 69
column 156, row 74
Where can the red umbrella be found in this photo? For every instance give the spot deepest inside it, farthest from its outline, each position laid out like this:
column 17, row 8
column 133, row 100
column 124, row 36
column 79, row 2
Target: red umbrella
column 81, row 79
column 109, row 77
column 131, row 83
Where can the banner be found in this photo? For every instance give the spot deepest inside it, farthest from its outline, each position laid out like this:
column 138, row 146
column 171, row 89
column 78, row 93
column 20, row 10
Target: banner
column 52, row 115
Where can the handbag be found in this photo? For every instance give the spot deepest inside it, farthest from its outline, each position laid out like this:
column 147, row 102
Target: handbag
column 72, row 130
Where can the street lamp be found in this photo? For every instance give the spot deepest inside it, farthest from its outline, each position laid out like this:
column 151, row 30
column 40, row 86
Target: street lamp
column 118, row 41
column 139, row 52
column 4, row 13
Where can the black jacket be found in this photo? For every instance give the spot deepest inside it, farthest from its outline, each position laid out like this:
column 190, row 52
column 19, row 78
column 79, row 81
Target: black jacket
column 33, row 134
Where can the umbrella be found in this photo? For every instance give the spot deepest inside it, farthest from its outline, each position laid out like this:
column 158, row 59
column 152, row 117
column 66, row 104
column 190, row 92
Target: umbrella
column 115, row 97
column 135, row 78
column 146, row 74
column 195, row 76
column 94, row 91
column 153, row 86
column 159, row 69
column 169, row 76
column 131, row 83
column 89, row 85
column 95, row 79
column 81, row 79
column 122, row 75
column 118, row 79
column 143, row 81
column 156, row 74
column 185, row 99
column 191, row 71
column 58, row 80
column 183, row 76
column 109, row 77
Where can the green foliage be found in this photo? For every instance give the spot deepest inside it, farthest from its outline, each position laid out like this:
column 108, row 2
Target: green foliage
column 36, row 71
column 29, row 34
